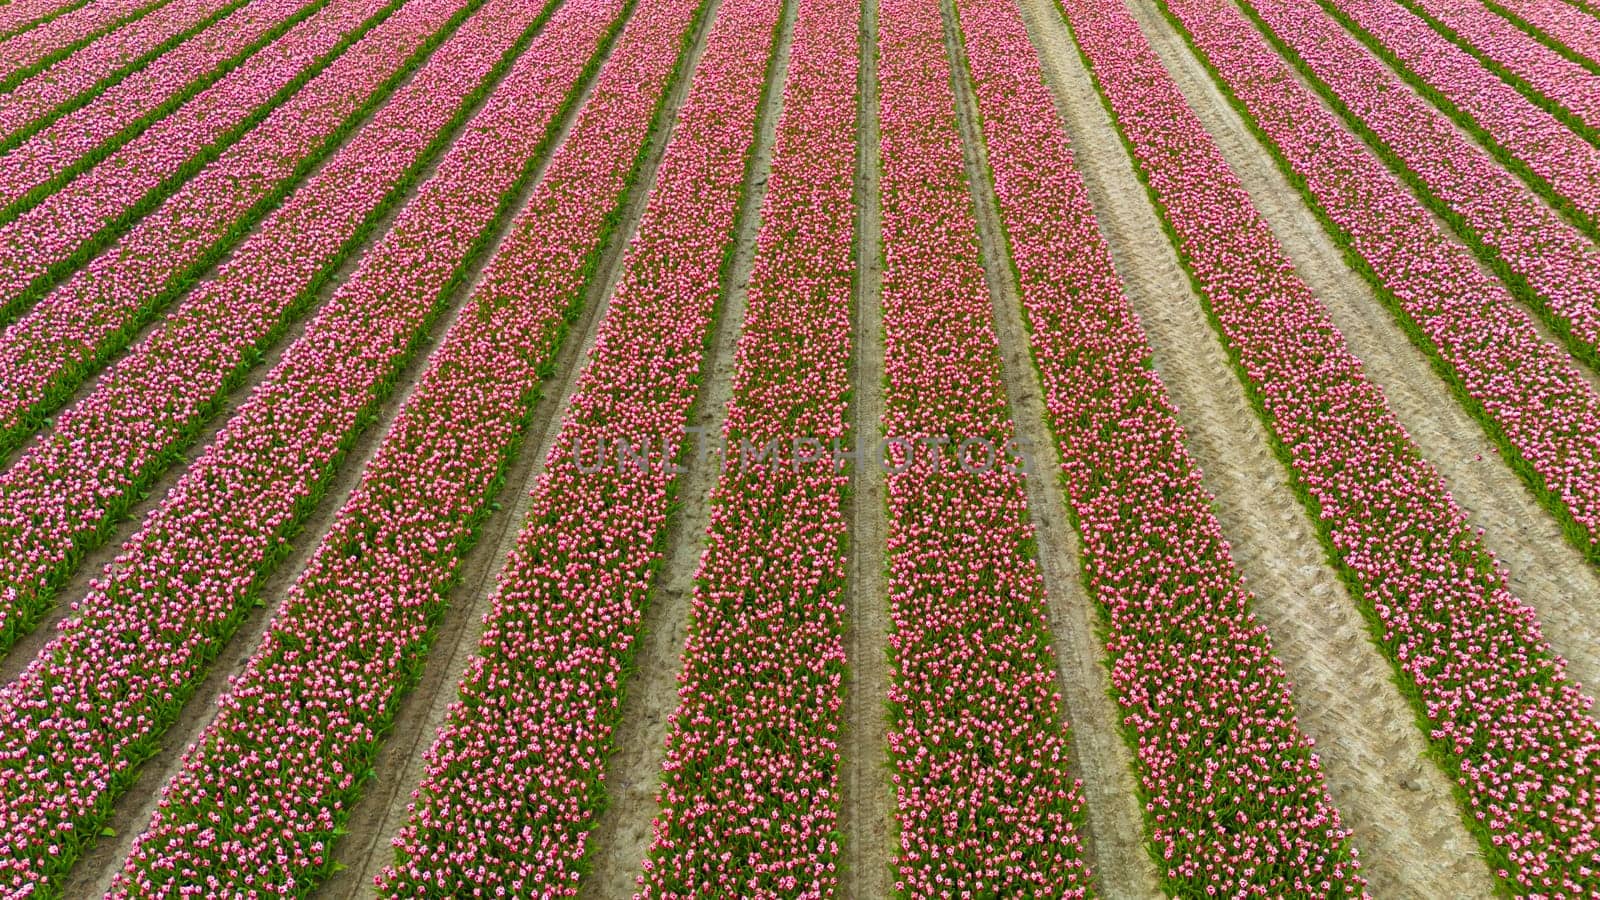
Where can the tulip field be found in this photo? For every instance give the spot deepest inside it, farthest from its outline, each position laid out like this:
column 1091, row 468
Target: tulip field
column 800, row 448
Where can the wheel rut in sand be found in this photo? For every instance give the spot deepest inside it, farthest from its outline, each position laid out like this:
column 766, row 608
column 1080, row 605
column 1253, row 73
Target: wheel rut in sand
column 1398, row 803
column 1102, row 760
column 867, row 802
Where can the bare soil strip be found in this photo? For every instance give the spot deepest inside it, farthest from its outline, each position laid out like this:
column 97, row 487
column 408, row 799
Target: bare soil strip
column 867, row 807
column 1114, row 838
column 622, row 835
column 382, row 809
column 1398, row 803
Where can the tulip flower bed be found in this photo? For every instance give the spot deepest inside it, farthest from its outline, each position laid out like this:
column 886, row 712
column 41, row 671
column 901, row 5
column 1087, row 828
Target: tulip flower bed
column 1564, row 28
column 1514, row 55
column 66, row 490
column 1547, row 262
column 115, row 55
column 139, row 172
column 1507, row 726
column 513, row 782
column 81, row 119
column 978, row 739
column 182, row 182
column 46, row 354
column 20, row 15
column 1588, row 6
column 1237, row 804
column 23, row 54
column 1527, row 393
column 1561, row 165
column 750, row 792
column 268, row 466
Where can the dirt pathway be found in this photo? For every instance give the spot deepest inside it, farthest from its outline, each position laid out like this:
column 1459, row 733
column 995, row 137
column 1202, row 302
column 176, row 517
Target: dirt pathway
column 1398, row 804
column 867, row 807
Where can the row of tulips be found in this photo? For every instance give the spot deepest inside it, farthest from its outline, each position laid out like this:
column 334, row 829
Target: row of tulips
column 750, row 792
column 82, row 119
column 515, row 777
column 1567, row 29
column 94, row 313
column 1564, row 85
column 173, row 142
column 1557, row 162
column 979, row 739
column 1237, row 803
column 113, row 57
column 299, row 729
column 230, row 515
column 1548, row 263
column 1528, row 394
column 64, row 493
column 1507, row 725
column 20, row 15
column 46, row 42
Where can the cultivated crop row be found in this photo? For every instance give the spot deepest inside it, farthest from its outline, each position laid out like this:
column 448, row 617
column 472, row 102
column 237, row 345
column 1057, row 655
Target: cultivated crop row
column 978, row 734
column 750, row 787
column 37, row 47
column 1508, row 726
column 1236, row 797
column 1565, row 28
column 115, row 55
column 20, row 15
column 182, row 181
column 1516, row 56
column 46, row 354
column 303, row 417
column 138, row 174
column 367, row 599
column 70, row 225
column 1528, row 393
column 1563, row 166
column 1548, row 262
